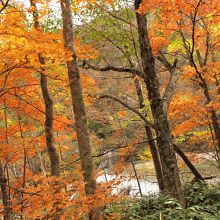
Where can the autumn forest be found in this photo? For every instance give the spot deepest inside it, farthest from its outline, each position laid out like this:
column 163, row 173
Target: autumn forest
column 109, row 109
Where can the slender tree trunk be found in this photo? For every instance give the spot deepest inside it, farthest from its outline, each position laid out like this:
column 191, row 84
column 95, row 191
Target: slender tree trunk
column 150, row 137
column 155, row 156
column 204, row 85
column 136, row 176
column 24, row 164
column 48, row 124
column 169, row 92
column 78, row 106
column 172, row 184
column 48, row 102
column 216, row 78
column 216, row 127
column 192, row 168
column 5, row 195
column 139, row 91
column 54, row 156
column 3, row 180
column 214, row 116
column 153, row 147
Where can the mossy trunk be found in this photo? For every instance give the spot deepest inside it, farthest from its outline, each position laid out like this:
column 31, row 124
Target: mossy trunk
column 172, row 184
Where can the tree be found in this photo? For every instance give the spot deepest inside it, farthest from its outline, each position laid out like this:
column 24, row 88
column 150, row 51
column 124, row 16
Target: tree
column 54, row 156
column 111, row 137
column 113, row 34
column 164, row 138
column 78, row 106
column 5, row 194
column 194, row 28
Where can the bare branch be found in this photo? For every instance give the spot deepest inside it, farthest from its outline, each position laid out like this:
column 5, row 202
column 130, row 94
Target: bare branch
column 119, row 18
column 130, row 108
column 4, row 5
column 87, row 65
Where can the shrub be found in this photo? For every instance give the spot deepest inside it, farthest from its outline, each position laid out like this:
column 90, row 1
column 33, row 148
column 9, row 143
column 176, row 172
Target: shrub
column 203, row 203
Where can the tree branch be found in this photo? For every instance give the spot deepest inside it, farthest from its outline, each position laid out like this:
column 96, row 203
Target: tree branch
column 4, row 5
column 87, row 65
column 169, row 91
column 130, row 108
column 119, row 18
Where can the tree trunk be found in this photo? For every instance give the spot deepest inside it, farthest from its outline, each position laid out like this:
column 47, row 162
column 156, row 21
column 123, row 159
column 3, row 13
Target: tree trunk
column 214, row 116
column 5, row 195
column 78, row 106
column 155, row 156
column 216, row 127
column 192, row 168
column 150, row 137
column 54, row 156
column 204, row 85
column 136, row 176
column 169, row 92
column 172, row 184
column 48, row 102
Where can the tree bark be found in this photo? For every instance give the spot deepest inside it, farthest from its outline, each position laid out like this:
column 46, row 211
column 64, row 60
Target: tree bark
column 214, row 117
column 169, row 92
column 48, row 102
column 54, row 156
column 5, row 195
column 152, row 144
column 170, row 89
column 172, row 184
column 155, row 156
column 78, row 106
column 192, row 168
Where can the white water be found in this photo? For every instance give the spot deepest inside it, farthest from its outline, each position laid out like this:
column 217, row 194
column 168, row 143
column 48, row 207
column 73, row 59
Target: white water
column 126, row 183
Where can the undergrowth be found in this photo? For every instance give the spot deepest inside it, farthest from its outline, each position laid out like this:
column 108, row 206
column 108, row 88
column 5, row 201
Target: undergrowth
column 202, row 203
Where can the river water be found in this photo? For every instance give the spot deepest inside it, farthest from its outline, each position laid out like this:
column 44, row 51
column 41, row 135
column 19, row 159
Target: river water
column 129, row 185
